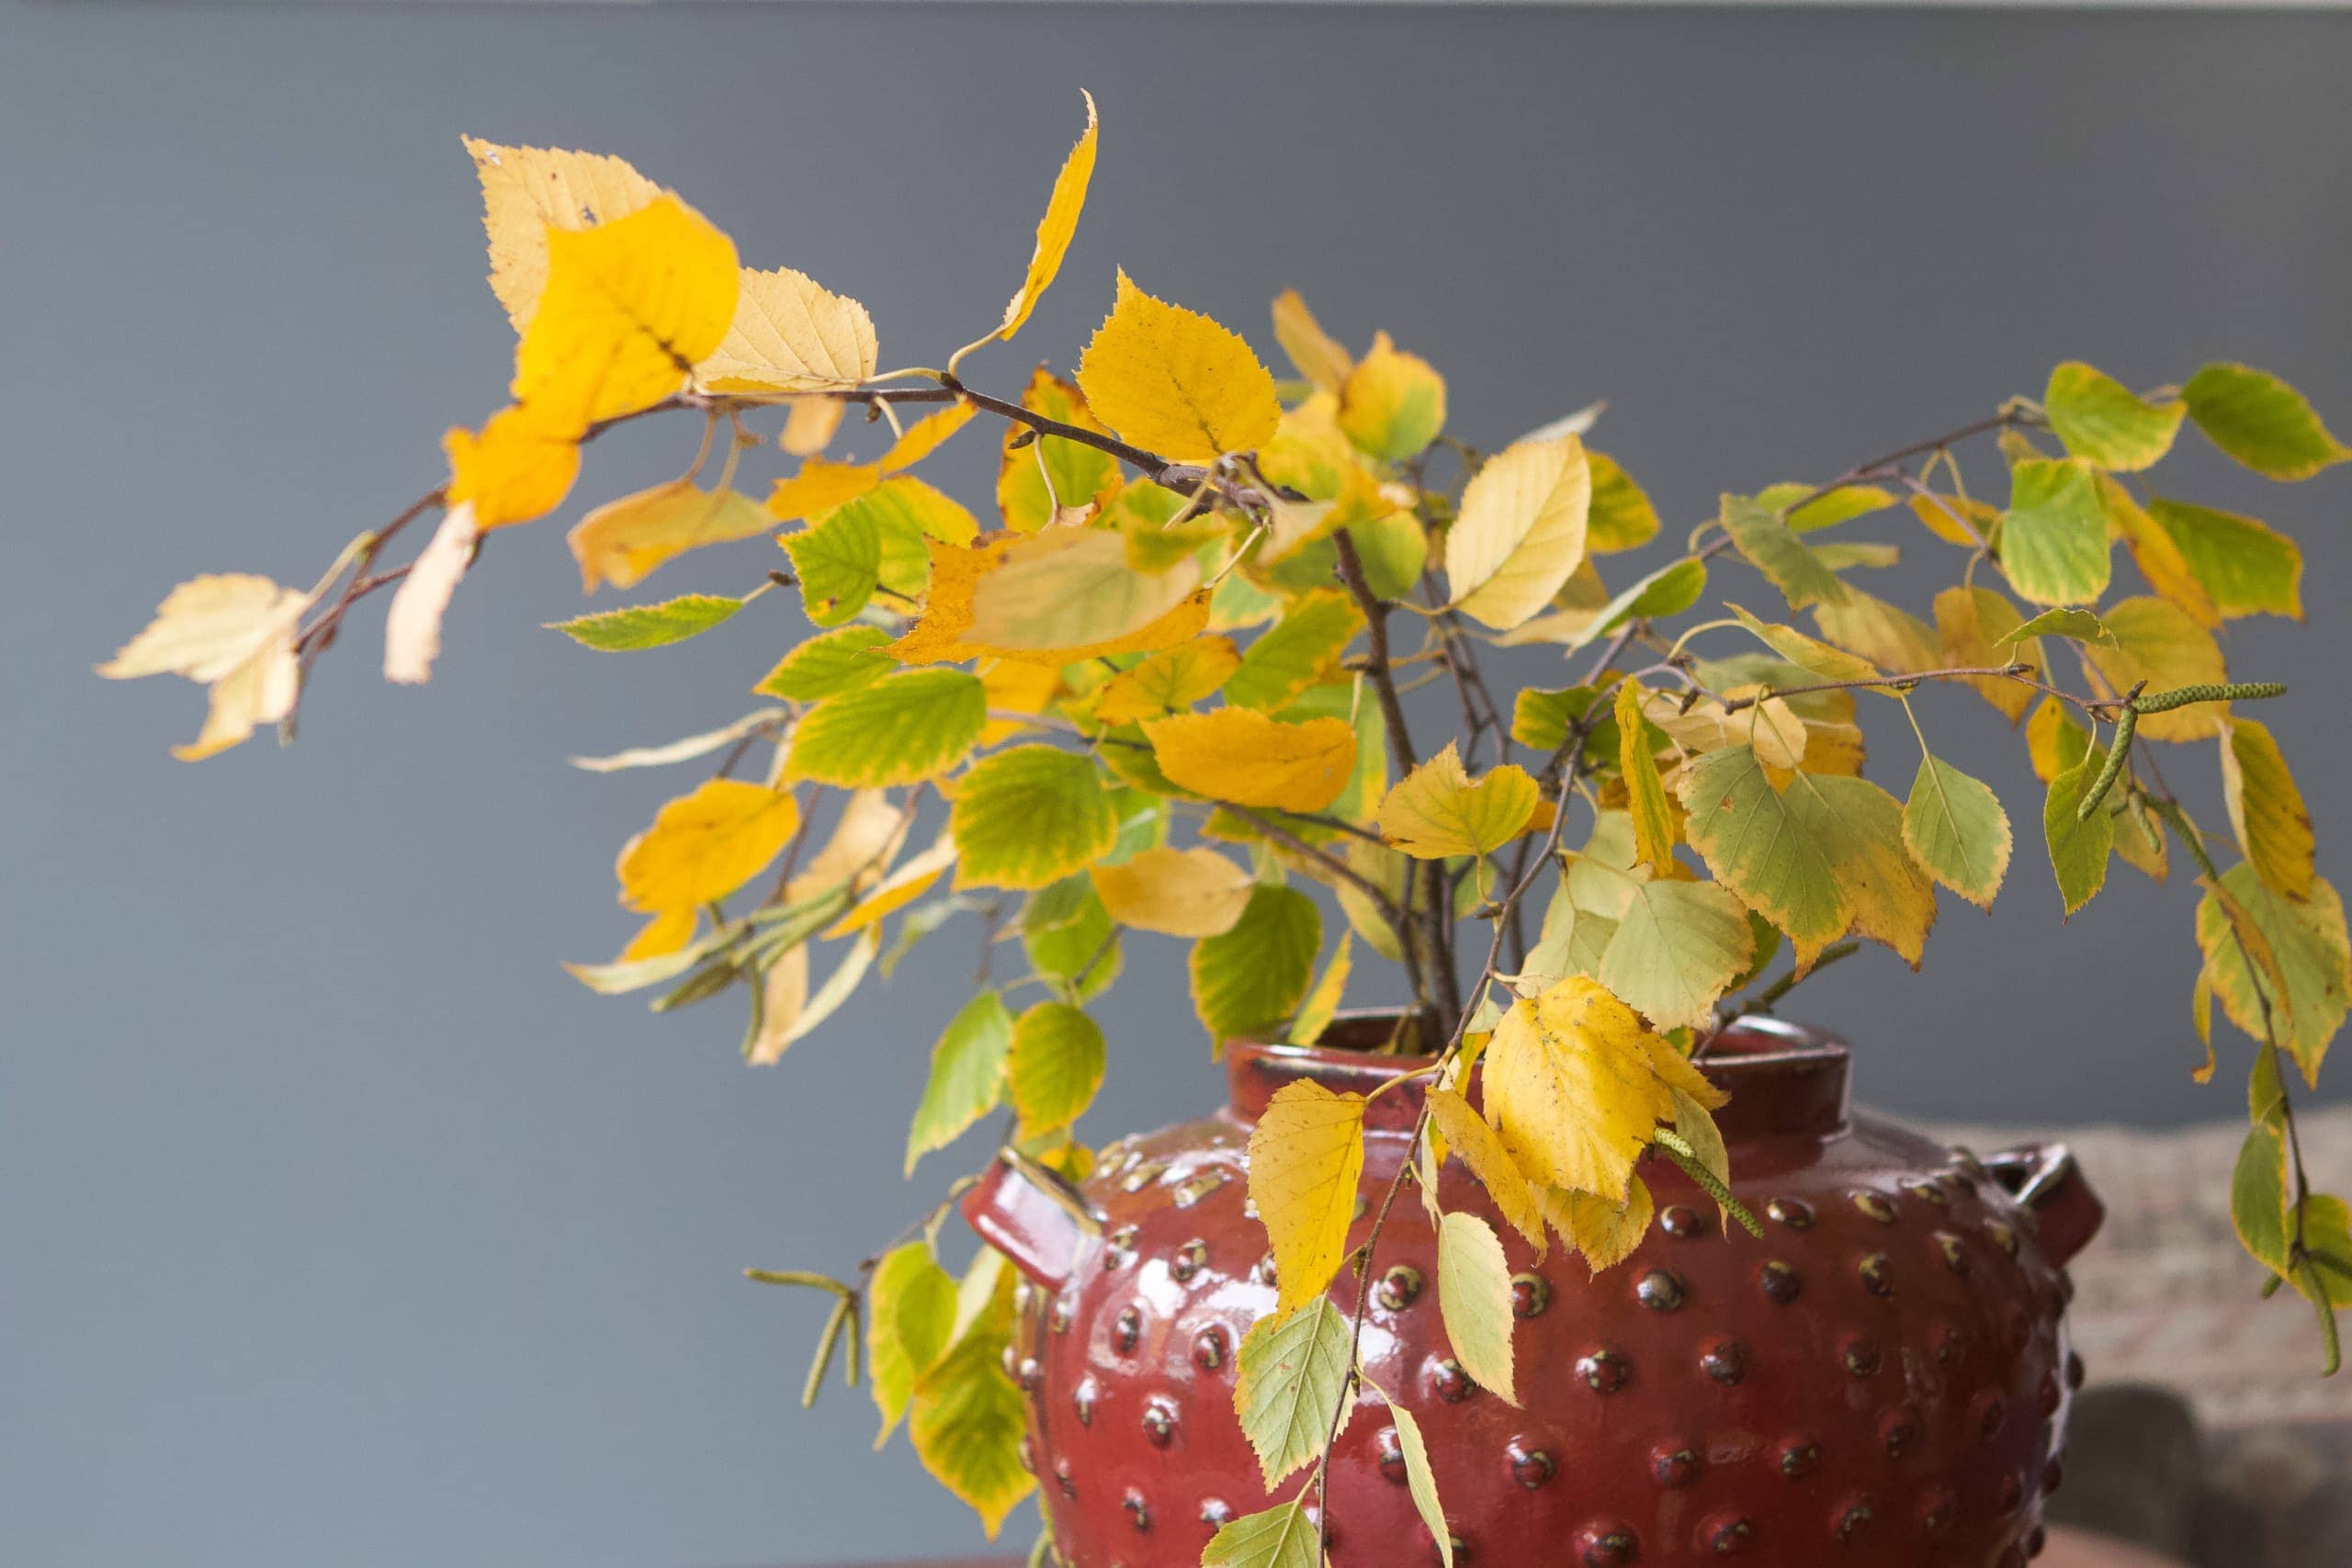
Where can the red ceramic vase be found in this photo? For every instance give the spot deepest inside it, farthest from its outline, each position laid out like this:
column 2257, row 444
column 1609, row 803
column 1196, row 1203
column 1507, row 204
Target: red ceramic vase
column 1881, row 1381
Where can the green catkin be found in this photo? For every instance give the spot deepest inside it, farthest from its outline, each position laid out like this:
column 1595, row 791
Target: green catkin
column 1681, row 1154
column 2120, row 752
column 2233, row 691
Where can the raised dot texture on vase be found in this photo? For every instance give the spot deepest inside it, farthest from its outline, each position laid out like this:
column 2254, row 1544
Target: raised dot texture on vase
column 1898, row 1431
column 1058, row 1319
column 1215, row 1513
column 1728, row 1537
column 1678, row 1221
column 1658, row 1290
column 1126, row 1330
column 1927, row 1193
column 1188, row 1260
column 2037, row 1539
column 1082, row 1400
column 1531, row 1467
column 2075, row 1371
column 1794, row 1212
column 1858, row 1355
column 1195, row 1187
column 1850, row 1517
column 1946, row 1345
column 1799, row 1458
column 1938, row 1510
column 1062, row 1478
column 1029, row 1374
column 1611, row 1545
column 1141, row 1176
column 1450, row 1381
column 1725, row 1361
column 1264, row 1271
column 1399, row 1288
column 1876, row 1206
column 1876, row 1272
column 1392, row 1454
column 2054, row 1476
column 1674, row 1468
column 1955, row 1253
column 2005, row 1236
column 2012, row 1492
column 1605, row 1372
column 1159, row 1423
column 1209, row 1347
column 1779, row 1283
column 1530, row 1294
column 1988, row 1412
column 1138, row 1509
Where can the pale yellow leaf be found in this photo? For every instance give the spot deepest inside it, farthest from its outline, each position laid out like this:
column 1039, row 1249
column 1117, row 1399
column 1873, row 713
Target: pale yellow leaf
column 1306, row 1156
column 207, row 627
column 811, row 425
column 1189, row 893
column 413, row 624
column 526, row 191
column 1056, row 228
column 1474, row 1298
column 1475, row 1145
column 901, row 887
column 1436, row 812
column 1313, row 352
column 1521, row 532
column 790, row 333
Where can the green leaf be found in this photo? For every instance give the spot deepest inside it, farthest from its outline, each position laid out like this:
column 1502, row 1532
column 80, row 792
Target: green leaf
column 1753, row 842
column 1860, row 829
column 1421, row 1481
column 1291, row 1378
column 1840, row 505
column 828, row 664
column 1251, row 978
column 1029, row 816
column 2054, row 543
column 1668, row 591
column 1289, row 657
column 2102, row 422
column 967, row 1421
column 1809, row 654
column 1696, row 1127
column 1955, row 828
column 1773, row 549
column 1474, row 1294
column 838, row 559
column 967, row 1075
column 2079, row 625
column 2245, row 567
column 1282, row 1537
column 1644, row 795
column 648, row 626
column 910, row 1301
column 2261, row 421
column 1065, row 928
column 1394, row 548
column 1622, row 517
column 2258, row 1198
column 1676, row 948
column 905, row 726
column 1056, row 1066
column 1540, row 719
column 2078, row 850
column 2306, row 975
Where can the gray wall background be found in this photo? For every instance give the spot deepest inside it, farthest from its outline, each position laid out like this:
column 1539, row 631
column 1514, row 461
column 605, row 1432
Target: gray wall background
column 341, row 1227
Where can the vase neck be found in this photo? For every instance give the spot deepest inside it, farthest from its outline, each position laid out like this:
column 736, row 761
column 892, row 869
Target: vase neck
column 1784, row 1080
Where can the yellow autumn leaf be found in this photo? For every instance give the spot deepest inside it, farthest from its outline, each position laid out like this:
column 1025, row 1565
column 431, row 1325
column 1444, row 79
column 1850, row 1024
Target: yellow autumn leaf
column 820, row 486
column 1306, row 1156
column 627, row 306
column 260, row 691
column 1521, row 532
column 1437, row 812
column 927, row 435
column 1313, row 352
column 1475, row 1145
column 896, row 891
column 1191, row 893
column 622, row 541
column 867, row 834
column 1604, row 1231
column 1393, row 403
column 2157, row 641
column 1653, row 830
column 1170, row 679
column 665, row 934
column 1322, row 1003
column 526, row 191
column 790, row 333
column 1242, row 756
column 1055, row 229
column 515, row 469
column 1016, row 686
column 1577, row 1088
column 705, row 845
column 810, row 425
column 1176, row 382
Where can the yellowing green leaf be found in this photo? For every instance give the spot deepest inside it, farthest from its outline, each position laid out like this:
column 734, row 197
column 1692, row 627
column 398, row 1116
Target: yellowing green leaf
column 703, row 846
column 2053, row 545
column 526, row 191
column 1842, row 504
column 2245, row 567
column 1248, row 979
column 1577, row 1086
column 1055, row 230
column 1622, row 516
column 790, row 333
column 2261, row 421
column 967, row 1072
column 1955, row 828
column 1168, row 681
column 2156, row 641
column 1977, row 628
column 1296, row 652
column 1475, row 1295
column 1175, row 382
column 2303, row 965
column 911, row 1303
column 1055, row 1067
column 1654, row 832
column 2077, row 626
column 1069, row 593
column 2078, row 850
column 841, row 558
column 1029, row 816
column 1320, row 360
column 1677, row 946
column 966, row 1424
column 1753, row 841
column 2103, row 422
column 1037, row 479
column 1322, row 1003
column 1421, row 1481
column 1773, row 548
column 1888, row 635
column 1068, row 937
column 1521, row 532
column 648, row 626
column 622, row 541
column 1860, row 826
column 2267, row 810
column 1291, row 1380
column 1437, row 812
column 1604, row 1231
column 1191, row 893
column 1807, row 653
column 1306, row 1156
column 903, row 728
column 1956, row 519
column 1281, row 1537
column 1392, row 404
column 2155, row 553
column 627, row 305
column 1242, row 756
column 2258, row 1198
column 828, row 663
column 1476, row 1146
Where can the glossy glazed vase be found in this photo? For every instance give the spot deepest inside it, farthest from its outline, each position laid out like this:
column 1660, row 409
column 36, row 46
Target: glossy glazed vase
column 1882, row 1380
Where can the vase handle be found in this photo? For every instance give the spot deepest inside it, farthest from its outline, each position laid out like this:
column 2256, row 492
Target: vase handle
column 2045, row 1180
column 1033, row 1214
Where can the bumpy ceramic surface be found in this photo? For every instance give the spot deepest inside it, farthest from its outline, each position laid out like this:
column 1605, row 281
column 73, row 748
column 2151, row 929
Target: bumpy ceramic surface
column 1882, row 1380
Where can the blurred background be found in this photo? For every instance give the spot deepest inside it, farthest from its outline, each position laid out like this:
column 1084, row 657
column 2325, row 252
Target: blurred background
column 342, row 1226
